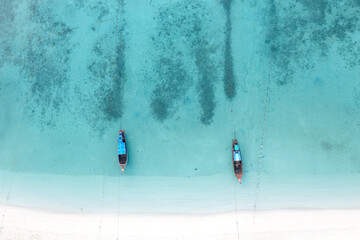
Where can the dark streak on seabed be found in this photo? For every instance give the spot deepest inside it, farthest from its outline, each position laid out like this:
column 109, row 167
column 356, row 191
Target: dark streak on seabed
column 107, row 68
column 205, row 87
column 170, row 74
column 207, row 71
column 229, row 78
column 113, row 99
column 174, row 76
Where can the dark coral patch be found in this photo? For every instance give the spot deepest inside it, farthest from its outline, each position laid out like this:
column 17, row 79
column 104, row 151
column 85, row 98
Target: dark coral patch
column 172, row 87
column 160, row 108
column 113, row 100
column 306, row 28
column 229, row 78
column 107, row 73
column 226, row 4
column 8, row 31
column 181, row 40
column 46, row 63
column 205, row 84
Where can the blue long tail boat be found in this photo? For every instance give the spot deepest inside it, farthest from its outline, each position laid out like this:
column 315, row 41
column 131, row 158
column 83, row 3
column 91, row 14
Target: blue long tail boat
column 122, row 150
column 237, row 161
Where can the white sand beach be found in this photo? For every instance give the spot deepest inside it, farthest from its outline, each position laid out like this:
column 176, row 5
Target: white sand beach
column 22, row 223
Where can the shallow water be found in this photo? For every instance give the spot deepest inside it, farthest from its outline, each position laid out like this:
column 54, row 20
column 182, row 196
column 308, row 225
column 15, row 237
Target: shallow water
column 179, row 77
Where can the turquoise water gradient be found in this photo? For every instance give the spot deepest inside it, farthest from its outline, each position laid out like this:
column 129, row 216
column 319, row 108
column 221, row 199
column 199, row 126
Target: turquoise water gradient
column 179, row 77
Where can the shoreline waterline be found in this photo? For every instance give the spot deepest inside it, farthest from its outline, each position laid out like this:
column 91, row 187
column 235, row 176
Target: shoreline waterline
column 215, row 194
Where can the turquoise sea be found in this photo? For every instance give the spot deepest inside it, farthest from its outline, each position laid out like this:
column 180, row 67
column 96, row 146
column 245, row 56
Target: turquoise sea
column 180, row 77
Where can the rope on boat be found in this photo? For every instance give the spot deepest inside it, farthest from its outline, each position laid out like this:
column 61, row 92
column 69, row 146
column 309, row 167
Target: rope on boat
column 234, row 133
column 266, row 107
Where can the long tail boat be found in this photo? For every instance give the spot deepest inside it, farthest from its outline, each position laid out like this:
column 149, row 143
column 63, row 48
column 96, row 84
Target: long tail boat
column 122, row 150
column 237, row 161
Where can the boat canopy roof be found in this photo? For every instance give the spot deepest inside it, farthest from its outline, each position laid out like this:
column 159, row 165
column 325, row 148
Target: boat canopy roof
column 121, row 148
column 236, row 147
column 237, row 156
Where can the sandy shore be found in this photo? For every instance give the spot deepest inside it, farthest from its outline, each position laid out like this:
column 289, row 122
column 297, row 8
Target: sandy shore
column 22, row 223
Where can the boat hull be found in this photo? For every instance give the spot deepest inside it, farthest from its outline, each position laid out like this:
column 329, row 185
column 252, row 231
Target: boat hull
column 238, row 168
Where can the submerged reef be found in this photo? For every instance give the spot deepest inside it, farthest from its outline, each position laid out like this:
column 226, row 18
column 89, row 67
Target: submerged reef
column 177, row 82
column 185, row 47
column 229, row 78
column 107, row 70
column 207, row 74
column 7, row 29
column 45, row 62
column 113, row 98
column 306, row 29
column 56, row 88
